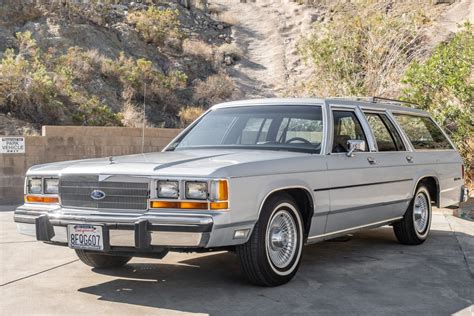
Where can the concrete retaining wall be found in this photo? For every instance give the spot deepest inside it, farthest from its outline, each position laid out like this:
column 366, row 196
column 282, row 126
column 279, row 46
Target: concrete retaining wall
column 59, row 143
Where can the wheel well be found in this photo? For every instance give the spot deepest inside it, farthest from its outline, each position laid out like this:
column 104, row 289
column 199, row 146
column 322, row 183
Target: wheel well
column 305, row 204
column 431, row 184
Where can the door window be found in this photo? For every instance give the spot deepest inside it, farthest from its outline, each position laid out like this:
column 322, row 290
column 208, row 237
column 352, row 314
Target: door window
column 422, row 132
column 346, row 127
column 385, row 134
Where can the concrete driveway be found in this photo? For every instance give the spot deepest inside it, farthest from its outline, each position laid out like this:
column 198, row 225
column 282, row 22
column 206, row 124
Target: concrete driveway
column 369, row 274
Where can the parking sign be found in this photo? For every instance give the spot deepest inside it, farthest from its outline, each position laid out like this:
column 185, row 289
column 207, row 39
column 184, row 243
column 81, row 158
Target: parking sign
column 12, row 145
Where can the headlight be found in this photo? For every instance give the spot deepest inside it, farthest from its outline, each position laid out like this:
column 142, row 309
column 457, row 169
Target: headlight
column 168, row 189
column 51, row 186
column 196, row 190
column 35, row 185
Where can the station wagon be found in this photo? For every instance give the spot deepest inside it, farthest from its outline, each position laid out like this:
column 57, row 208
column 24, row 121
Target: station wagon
column 258, row 177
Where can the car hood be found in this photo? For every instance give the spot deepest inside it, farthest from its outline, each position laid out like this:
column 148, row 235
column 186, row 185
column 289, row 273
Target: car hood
column 195, row 163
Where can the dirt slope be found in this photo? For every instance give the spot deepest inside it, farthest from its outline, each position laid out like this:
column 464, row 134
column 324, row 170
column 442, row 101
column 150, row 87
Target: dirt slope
column 448, row 23
column 268, row 33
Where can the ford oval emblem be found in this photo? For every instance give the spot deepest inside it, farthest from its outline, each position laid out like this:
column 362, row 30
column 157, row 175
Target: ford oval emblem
column 98, row 195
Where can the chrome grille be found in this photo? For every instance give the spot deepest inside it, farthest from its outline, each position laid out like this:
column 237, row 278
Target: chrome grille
column 75, row 191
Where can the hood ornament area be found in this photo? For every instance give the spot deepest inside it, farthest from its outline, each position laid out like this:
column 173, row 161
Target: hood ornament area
column 98, row 195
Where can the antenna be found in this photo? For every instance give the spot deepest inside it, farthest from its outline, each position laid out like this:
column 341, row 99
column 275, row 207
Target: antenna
column 144, row 118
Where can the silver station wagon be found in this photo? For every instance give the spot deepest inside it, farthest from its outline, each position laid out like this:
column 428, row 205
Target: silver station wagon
column 260, row 177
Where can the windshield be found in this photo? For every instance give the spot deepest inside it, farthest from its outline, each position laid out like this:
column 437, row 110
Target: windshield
column 277, row 127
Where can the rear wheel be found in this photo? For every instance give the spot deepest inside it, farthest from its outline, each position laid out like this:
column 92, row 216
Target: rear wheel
column 414, row 228
column 272, row 255
column 102, row 261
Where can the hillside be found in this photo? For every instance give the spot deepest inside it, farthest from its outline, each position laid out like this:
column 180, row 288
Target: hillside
column 95, row 64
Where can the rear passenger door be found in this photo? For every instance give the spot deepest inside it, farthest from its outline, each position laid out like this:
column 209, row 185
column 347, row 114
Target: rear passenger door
column 394, row 160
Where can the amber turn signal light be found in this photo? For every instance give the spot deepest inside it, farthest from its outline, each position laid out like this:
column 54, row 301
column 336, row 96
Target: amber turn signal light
column 190, row 205
column 41, row 199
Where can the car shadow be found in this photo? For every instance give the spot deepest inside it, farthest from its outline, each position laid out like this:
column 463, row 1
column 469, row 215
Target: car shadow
column 366, row 273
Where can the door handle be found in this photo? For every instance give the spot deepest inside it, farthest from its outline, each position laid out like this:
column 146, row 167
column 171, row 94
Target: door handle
column 409, row 158
column 371, row 160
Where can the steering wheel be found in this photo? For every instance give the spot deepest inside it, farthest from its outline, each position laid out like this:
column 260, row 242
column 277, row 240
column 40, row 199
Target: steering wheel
column 298, row 139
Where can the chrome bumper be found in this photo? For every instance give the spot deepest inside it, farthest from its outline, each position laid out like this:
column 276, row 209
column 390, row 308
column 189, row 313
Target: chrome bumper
column 141, row 232
column 464, row 194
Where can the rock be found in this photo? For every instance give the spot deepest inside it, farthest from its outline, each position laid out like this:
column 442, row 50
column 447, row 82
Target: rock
column 119, row 7
column 228, row 39
column 228, row 60
column 443, row 1
column 220, row 26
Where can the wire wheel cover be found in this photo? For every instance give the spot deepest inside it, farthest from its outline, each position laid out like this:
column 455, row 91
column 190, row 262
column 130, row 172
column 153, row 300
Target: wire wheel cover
column 421, row 213
column 282, row 239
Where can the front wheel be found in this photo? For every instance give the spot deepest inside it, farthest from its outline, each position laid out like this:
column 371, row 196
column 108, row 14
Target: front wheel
column 102, row 261
column 272, row 255
column 414, row 228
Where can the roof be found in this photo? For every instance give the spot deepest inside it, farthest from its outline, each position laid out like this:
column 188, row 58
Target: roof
column 377, row 104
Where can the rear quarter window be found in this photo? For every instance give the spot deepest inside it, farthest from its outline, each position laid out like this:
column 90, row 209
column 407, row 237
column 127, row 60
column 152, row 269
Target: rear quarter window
column 422, row 132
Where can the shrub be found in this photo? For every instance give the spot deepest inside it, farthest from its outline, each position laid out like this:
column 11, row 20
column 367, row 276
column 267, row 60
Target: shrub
column 27, row 88
column 135, row 73
column 230, row 50
column 189, row 114
column 133, row 116
column 363, row 53
column 443, row 85
column 52, row 89
column 215, row 89
column 155, row 25
column 198, row 48
column 95, row 113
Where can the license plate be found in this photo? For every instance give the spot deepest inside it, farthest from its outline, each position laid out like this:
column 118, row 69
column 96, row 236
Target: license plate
column 83, row 236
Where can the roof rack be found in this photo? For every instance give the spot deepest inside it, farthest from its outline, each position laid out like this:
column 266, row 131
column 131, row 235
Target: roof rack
column 374, row 99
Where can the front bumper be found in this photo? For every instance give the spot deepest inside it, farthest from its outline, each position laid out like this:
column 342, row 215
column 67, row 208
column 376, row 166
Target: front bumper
column 137, row 232
column 151, row 231
column 464, row 194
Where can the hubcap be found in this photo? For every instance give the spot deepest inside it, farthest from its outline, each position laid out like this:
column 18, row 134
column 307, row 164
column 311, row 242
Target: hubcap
column 281, row 239
column 420, row 213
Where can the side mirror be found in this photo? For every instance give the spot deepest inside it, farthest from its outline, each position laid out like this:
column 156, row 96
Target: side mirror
column 354, row 145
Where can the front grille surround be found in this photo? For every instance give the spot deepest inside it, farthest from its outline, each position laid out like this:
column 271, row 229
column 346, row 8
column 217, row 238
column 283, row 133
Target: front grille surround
column 75, row 191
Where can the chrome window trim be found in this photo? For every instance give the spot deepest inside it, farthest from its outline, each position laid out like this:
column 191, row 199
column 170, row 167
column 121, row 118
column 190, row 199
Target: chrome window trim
column 362, row 120
column 391, row 120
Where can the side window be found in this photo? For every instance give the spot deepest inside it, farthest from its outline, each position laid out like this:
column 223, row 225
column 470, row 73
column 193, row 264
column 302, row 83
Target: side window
column 422, row 132
column 346, row 127
column 386, row 135
column 394, row 133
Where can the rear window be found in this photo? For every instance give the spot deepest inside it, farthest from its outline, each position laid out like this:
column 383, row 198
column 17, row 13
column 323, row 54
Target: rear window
column 422, row 132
